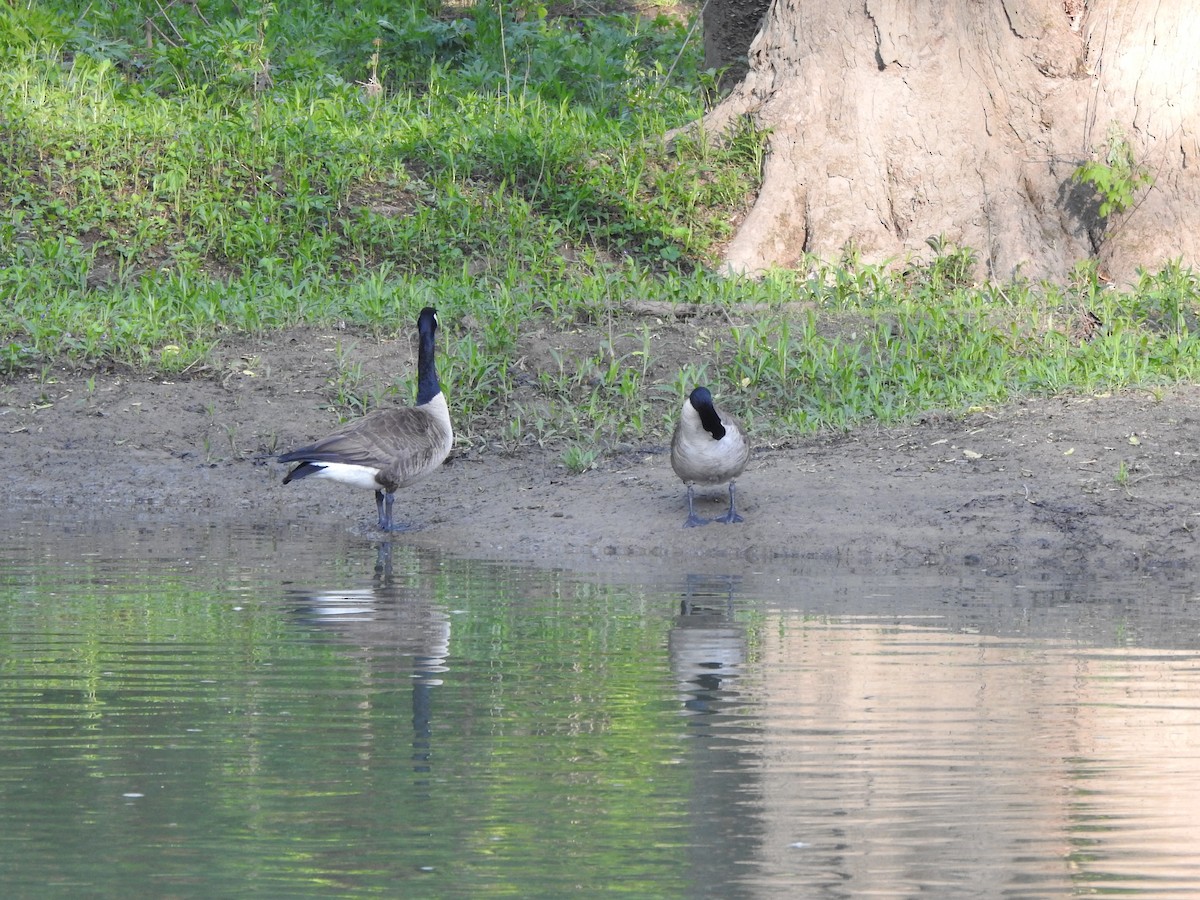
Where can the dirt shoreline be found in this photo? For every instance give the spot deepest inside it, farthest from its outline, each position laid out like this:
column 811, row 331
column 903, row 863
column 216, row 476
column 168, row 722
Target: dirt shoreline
column 1066, row 487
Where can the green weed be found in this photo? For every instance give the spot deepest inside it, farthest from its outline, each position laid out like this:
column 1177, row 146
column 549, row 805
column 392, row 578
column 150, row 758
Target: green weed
column 347, row 389
column 1118, row 177
column 1122, row 475
column 249, row 171
column 578, row 460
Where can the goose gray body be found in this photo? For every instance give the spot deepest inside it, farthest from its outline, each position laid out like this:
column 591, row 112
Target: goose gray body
column 391, row 448
column 708, row 448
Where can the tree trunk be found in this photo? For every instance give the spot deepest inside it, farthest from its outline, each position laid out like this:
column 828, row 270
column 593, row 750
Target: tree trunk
column 893, row 121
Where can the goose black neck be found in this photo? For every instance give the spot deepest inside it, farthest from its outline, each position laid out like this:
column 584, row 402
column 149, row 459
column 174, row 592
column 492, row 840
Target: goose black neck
column 427, row 380
column 709, row 419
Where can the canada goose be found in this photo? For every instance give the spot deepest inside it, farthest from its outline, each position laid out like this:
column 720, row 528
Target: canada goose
column 391, row 448
column 708, row 447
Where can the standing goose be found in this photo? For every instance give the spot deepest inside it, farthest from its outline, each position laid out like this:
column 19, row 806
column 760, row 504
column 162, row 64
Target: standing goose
column 708, row 448
column 391, row 448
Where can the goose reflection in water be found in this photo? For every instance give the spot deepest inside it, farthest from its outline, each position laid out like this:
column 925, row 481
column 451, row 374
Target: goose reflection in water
column 392, row 628
column 707, row 648
column 709, row 657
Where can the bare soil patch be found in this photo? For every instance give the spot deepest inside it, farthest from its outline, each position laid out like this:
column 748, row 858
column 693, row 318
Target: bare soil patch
column 1092, row 486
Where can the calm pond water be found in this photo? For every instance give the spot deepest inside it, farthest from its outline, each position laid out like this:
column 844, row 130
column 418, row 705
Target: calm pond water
column 210, row 712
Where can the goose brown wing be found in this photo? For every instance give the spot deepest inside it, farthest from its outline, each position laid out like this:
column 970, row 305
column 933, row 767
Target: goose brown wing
column 403, row 430
column 404, row 445
column 419, row 439
column 374, row 440
column 346, row 445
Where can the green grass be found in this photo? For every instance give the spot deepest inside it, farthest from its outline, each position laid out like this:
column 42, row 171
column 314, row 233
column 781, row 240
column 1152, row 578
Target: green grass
column 259, row 169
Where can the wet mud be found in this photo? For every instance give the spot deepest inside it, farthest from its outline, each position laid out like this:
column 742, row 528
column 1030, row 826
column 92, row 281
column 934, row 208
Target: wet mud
column 1065, row 487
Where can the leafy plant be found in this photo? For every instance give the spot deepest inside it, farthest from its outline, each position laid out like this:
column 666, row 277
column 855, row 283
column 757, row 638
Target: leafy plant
column 952, row 266
column 1118, row 177
column 578, row 460
column 508, row 170
column 1122, row 475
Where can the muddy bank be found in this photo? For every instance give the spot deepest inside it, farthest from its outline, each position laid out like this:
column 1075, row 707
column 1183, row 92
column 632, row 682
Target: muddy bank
column 1089, row 486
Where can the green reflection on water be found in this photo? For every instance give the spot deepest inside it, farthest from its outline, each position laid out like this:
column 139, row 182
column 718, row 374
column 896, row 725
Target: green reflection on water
column 286, row 718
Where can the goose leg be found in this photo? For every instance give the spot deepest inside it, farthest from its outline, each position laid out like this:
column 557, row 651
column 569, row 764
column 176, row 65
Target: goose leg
column 693, row 520
column 730, row 517
column 383, row 505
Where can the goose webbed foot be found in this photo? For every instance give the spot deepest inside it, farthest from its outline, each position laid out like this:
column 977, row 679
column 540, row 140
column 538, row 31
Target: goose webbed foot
column 693, row 520
column 383, row 503
column 730, row 517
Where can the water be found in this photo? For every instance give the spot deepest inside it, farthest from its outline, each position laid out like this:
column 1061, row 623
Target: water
column 210, row 712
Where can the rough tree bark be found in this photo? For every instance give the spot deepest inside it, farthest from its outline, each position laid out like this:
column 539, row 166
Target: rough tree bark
column 896, row 120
